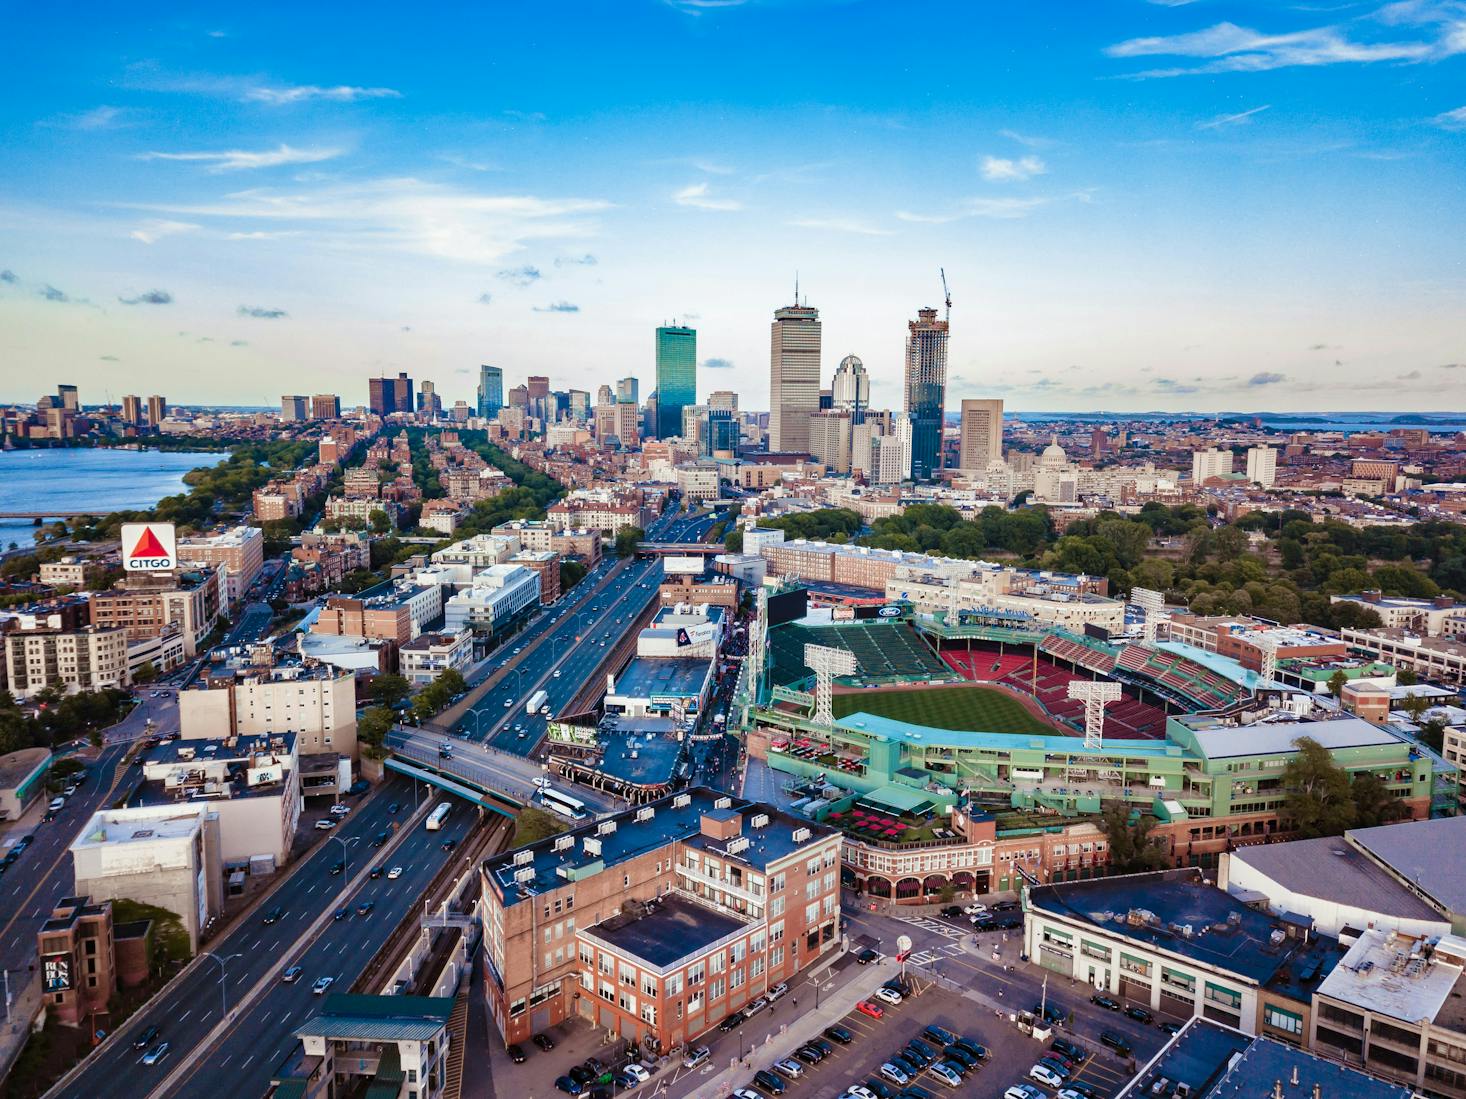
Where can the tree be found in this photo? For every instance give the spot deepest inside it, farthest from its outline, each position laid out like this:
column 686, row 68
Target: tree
column 1337, row 682
column 535, row 824
column 1405, row 677
column 1372, row 801
column 372, row 729
column 1432, row 733
column 1132, row 847
column 146, row 673
column 390, row 689
column 380, row 520
column 571, row 573
column 1319, row 799
column 1415, row 705
column 733, row 543
column 626, row 539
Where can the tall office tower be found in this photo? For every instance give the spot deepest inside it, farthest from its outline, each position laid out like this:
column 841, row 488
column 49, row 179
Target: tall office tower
column 827, row 400
column 723, row 432
column 67, row 395
column 830, row 439
column 157, row 409
column 676, row 376
column 628, row 391
column 723, row 399
column 850, row 389
column 579, row 404
column 605, row 396
column 1262, row 465
column 649, row 417
column 292, row 409
column 537, row 391
column 427, row 400
column 388, row 395
column 132, row 409
column 794, row 377
column 695, row 427
column 325, row 406
column 490, row 390
column 926, row 391
column 627, row 423
column 982, row 434
column 519, row 397
column 1099, row 442
column 1209, row 463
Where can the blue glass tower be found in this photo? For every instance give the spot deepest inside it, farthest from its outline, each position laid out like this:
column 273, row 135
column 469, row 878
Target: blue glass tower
column 676, row 377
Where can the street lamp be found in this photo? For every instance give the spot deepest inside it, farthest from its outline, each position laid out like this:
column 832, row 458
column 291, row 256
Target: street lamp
column 223, row 987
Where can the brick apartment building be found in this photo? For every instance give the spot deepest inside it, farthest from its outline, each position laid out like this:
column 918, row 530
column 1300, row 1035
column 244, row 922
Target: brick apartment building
column 658, row 922
column 238, row 554
column 343, row 616
column 546, row 563
column 146, row 607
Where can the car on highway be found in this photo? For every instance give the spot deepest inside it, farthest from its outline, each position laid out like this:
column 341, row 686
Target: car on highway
column 146, row 1038
column 273, row 915
column 377, row 872
column 322, row 983
column 325, row 824
column 449, row 844
column 291, row 974
column 557, row 673
column 156, row 1054
column 48, row 816
column 337, row 867
column 394, row 873
column 393, row 809
column 69, row 791
column 543, row 1041
column 365, row 908
column 380, row 838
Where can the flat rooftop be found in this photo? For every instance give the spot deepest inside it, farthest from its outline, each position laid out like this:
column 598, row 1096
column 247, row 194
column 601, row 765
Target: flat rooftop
column 678, row 676
column 1224, row 933
column 1218, row 740
column 639, row 759
column 1198, row 1056
column 379, row 1018
column 1399, row 976
column 245, row 747
column 1412, row 852
column 676, row 928
column 114, row 826
column 16, row 767
column 1332, row 870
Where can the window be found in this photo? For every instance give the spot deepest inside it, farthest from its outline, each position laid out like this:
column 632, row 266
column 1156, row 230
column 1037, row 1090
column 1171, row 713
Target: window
column 756, row 967
column 648, row 985
column 735, row 978
column 776, row 906
column 737, row 951
column 776, row 883
column 716, row 989
column 412, row 1076
column 695, row 974
column 674, row 985
column 1279, row 1019
column 776, row 957
column 1224, row 996
column 776, row 932
column 1094, row 950
column 1132, row 964
column 812, row 913
column 718, row 962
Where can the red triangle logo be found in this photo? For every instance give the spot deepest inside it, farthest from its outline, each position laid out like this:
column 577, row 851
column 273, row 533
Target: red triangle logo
column 148, row 545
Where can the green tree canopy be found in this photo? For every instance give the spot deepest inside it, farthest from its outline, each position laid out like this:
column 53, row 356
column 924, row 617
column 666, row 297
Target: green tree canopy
column 1133, row 848
column 1319, row 799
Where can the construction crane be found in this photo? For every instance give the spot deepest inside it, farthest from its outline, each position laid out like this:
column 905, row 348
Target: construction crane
column 946, row 294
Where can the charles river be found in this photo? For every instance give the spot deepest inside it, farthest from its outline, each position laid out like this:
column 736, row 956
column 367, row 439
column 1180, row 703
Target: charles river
column 96, row 480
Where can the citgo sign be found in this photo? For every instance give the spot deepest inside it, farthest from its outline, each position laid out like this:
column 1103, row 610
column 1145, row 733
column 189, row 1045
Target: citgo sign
column 149, row 547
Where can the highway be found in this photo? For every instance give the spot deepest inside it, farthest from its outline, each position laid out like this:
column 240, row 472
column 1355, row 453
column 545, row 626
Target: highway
column 260, row 1037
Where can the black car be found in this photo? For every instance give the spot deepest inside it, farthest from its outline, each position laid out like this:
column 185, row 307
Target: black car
column 916, row 1053
column 515, row 1054
column 769, row 1082
column 448, row 845
column 146, row 1038
column 1117, row 1042
column 379, row 839
column 953, row 912
column 960, row 1056
column 906, row 1063
column 809, row 1055
column 1071, row 1051
column 898, row 984
column 1140, row 1014
column 48, row 816
column 913, row 1092
column 393, row 808
column 1052, row 1014
column 732, row 1021
column 940, row 1035
column 582, row 1075
column 341, row 913
column 977, row 1049
column 365, row 908
column 338, row 867
column 1087, row 1090
column 1169, row 1027
column 866, row 956
column 378, row 871
column 839, row 1034
column 1006, row 906
column 360, row 786
column 1100, row 1000
column 882, row 1089
column 543, row 1041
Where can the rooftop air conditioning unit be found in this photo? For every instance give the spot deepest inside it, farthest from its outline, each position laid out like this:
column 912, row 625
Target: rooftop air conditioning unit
column 801, row 834
column 523, row 857
column 723, row 803
column 646, row 812
column 605, row 828
column 681, row 801
column 760, row 820
column 592, row 846
column 564, row 843
column 524, row 874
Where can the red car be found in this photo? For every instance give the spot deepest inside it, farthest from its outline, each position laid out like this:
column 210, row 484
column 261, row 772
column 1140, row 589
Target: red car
column 875, row 1011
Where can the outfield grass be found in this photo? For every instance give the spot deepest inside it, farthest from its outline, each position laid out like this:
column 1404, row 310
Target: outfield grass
column 965, row 709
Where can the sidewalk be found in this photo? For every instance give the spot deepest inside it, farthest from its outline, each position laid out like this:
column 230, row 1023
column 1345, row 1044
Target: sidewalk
column 24, row 1007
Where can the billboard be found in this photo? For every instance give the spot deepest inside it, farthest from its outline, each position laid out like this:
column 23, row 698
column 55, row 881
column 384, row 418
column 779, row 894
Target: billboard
column 56, row 972
column 149, row 547
column 684, row 566
column 787, row 606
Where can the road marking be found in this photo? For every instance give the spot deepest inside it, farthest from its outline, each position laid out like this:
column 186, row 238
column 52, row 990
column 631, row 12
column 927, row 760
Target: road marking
column 185, row 1015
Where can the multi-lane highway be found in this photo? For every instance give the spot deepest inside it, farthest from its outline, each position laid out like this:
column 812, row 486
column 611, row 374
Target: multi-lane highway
column 253, row 953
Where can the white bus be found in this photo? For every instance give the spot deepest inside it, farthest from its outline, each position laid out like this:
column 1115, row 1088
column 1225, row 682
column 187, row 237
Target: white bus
column 439, row 815
column 563, row 804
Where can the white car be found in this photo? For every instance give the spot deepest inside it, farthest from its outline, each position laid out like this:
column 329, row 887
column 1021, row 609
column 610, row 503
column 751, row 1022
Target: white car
column 746, row 1093
column 1070, row 1093
column 639, row 1071
column 1046, row 1076
column 857, row 1091
column 319, row 988
column 339, row 810
column 325, row 824
column 557, row 673
column 789, row 1068
column 394, row 873
column 894, row 1074
column 1023, row 1091
column 889, row 995
column 974, row 909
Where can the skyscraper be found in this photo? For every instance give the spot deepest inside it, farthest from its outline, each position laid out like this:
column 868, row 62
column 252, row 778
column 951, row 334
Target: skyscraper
column 388, row 395
column 1262, row 465
column 724, row 399
column 723, row 432
column 490, row 390
column 325, row 406
column 676, row 377
column 926, row 391
column 982, row 434
column 794, row 377
column 851, row 389
column 157, row 409
column 628, row 391
column 132, row 409
column 292, row 408
column 427, row 400
column 68, row 397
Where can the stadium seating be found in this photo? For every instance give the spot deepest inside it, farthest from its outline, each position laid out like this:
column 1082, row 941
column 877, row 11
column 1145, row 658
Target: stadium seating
column 881, row 651
column 1128, row 719
column 981, row 664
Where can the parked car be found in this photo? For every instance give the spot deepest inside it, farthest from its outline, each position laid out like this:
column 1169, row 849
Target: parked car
column 515, row 1054
column 946, row 1073
column 1023, row 1091
column 568, row 1085
column 866, row 956
column 894, row 1074
column 731, row 1022
column 778, row 990
column 1140, row 1014
column 952, row 911
column 789, row 1068
column 638, row 1072
column 866, row 1007
column 1072, row 1050
column 746, row 1093
column 1045, row 1076
column 340, row 810
column 809, row 1055
column 940, row 1035
column 541, row 1040
column 769, row 1082
column 1117, row 1042
column 858, row 1091
column 889, row 995
column 1100, row 1000
column 698, row 1057
column 325, row 824
column 977, row 1049
column 839, row 1034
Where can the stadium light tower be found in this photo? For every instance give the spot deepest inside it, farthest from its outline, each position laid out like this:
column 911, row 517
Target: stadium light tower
column 1096, row 694
column 1152, row 605
column 826, row 662
column 756, row 632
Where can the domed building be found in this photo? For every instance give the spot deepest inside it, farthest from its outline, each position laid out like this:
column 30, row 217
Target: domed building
column 1053, row 456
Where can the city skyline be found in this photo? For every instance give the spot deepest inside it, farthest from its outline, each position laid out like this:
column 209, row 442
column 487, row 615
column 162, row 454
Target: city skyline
column 1203, row 206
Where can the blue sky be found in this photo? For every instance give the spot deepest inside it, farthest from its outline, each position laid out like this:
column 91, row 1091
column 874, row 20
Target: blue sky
column 1139, row 205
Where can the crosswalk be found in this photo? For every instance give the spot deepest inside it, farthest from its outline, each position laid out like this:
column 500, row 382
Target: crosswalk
column 926, row 957
column 936, row 927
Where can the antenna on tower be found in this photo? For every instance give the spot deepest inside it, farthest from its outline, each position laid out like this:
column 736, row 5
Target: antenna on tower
column 946, row 294
column 796, row 287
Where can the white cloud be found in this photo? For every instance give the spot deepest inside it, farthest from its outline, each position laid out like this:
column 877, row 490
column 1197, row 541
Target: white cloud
column 98, row 118
column 842, row 225
column 1226, row 47
column 1241, row 118
column 300, row 93
column 1451, row 120
column 234, row 160
column 1000, row 208
column 1027, row 140
column 700, row 7
column 697, row 196
column 155, row 229
column 997, row 169
column 403, row 214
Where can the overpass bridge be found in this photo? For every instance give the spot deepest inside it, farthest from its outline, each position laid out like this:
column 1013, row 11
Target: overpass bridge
column 679, row 549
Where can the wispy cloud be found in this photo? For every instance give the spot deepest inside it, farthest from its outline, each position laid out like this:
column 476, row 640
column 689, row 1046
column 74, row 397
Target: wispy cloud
column 842, row 225
column 1027, row 140
column 703, row 7
column 109, row 358
column 149, row 297
column 50, row 293
column 155, row 229
column 586, row 260
column 697, row 195
column 1227, row 47
column 717, row 364
column 999, row 208
column 558, row 307
column 485, row 298
column 997, row 169
column 1266, row 377
column 9, row 276
column 520, row 276
column 403, row 214
column 235, row 160
column 1241, row 118
column 260, row 312
column 302, row 93
column 98, row 118
column 238, row 343
column 1410, row 376
column 1451, row 120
